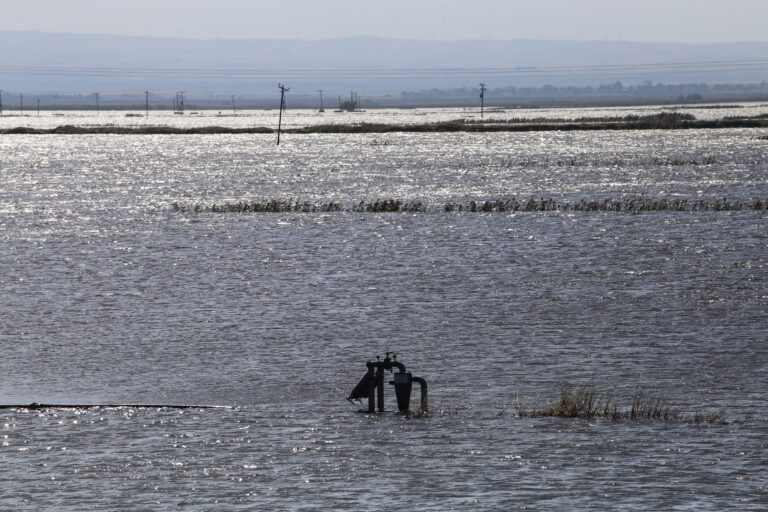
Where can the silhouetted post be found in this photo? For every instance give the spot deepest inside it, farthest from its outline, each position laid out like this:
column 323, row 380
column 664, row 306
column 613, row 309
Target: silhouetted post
column 321, row 100
column 179, row 103
column 146, row 102
column 21, row 104
column 97, row 102
column 283, row 90
column 38, row 107
column 482, row 98
column 1, row 103
column 234, row 111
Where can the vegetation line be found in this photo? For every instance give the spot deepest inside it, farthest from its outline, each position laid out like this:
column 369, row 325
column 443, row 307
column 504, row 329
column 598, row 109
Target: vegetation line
column 585, row 402
column 662, row 121
column 636, row 204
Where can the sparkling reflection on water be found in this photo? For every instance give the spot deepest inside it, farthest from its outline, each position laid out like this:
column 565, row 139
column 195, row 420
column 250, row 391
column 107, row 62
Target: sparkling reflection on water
column 109, row 296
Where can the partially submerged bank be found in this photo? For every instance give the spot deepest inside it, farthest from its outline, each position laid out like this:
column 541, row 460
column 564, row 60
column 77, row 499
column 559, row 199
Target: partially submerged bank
column 662, row 121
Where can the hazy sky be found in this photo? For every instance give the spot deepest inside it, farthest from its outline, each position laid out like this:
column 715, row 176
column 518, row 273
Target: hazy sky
column 634, row 20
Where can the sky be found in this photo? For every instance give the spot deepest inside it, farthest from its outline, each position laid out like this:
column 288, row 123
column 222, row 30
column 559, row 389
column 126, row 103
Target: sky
column 679, row 21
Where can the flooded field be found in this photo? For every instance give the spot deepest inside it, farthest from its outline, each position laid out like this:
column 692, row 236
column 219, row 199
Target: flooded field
column 297, row 118
column 111, row 295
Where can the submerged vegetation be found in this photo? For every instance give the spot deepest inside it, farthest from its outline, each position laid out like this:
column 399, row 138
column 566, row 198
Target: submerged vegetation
column 636, row 204
column 658, row 121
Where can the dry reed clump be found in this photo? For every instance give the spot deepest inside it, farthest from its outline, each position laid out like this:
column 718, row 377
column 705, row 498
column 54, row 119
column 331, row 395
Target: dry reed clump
column 585, row 402
column 580, row 401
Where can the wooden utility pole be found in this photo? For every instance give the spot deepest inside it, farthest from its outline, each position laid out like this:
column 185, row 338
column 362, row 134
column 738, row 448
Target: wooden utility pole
column 283, row 90
column 482, row 98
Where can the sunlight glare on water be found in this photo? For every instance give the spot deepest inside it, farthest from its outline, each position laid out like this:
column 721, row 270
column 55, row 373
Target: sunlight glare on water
column 112, row 296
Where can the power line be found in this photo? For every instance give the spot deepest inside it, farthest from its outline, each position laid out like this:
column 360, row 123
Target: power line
column 683, row 67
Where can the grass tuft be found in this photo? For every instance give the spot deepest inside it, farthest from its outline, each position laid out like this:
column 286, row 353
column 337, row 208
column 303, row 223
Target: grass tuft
column 584, row 401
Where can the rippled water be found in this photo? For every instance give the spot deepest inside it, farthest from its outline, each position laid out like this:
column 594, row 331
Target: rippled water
column 109, row 296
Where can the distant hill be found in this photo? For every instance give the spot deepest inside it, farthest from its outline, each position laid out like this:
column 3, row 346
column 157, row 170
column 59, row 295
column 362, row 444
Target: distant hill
column 37, row 62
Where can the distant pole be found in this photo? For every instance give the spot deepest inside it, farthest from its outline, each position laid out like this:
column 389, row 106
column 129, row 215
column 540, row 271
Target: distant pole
column 146, row 102
column 283, row 90
column 482, row 98
column 97, row 103
column 38, row 107
column 21, row 104
column 321, row 100
column 1, row 103
column 234, row 111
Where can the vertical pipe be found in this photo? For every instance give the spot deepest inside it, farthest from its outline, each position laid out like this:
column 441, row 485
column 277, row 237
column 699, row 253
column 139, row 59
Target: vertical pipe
column 424, row 405
column 371, row 390
column 380, row 384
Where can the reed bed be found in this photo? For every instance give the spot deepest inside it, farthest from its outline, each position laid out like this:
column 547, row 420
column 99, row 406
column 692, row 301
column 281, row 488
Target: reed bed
column 662, row 118
column 637, row 204
column 584, row 401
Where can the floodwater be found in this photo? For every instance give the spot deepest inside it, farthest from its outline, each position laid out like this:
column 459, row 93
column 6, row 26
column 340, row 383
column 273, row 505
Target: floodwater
column 296, row 118
column 110, row 296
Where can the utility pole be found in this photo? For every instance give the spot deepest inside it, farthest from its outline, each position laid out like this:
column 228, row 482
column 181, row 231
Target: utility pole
column 146, row 102
column 234, row 111
column 178, row 104
column 1, row 103
column 482, row 98
column 21, row 104
column 97, row 102
column 321, row 100
column 38, row 107
column 283, row 90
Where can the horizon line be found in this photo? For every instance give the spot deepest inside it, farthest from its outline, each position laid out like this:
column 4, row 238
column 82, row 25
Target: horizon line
column 382, row 38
